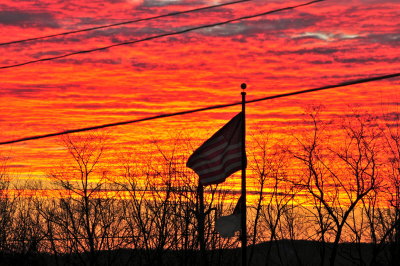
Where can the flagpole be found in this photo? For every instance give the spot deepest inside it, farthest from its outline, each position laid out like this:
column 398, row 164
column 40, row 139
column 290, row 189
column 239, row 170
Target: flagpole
column 243, row 207
column 201, row 216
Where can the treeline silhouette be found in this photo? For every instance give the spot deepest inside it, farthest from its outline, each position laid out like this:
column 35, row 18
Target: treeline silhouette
column 327, row 195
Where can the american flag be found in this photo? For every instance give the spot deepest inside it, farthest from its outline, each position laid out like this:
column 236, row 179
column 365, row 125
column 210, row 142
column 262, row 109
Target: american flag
column 226, row 226
column 221, row 155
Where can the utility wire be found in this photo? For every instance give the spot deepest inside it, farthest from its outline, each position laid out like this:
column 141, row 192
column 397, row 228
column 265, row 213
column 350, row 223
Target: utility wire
column 159, row 36
column 343, row 84
column 125, row 22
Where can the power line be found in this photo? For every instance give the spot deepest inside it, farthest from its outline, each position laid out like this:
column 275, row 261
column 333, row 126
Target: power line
column 125, row 22
column 159, row 36
column 343, row 84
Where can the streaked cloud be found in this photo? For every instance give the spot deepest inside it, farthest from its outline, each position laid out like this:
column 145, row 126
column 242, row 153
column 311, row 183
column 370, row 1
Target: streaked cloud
column 326, row 36
column 308, row 47
column 28, row 19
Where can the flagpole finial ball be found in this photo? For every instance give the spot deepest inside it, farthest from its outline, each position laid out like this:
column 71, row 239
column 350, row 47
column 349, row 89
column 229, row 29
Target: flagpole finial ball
column 243, row 86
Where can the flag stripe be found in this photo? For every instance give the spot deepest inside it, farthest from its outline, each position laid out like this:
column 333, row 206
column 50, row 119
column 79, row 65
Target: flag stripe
column 216, row 157
column 211, row 144
column 229, row 165
column 210, row 155
column 218, row 164
column 220, row 178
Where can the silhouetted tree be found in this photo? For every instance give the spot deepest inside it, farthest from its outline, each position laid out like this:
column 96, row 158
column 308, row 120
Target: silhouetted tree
column 339, row 177
column 83, row 215
column 274, row 210
column 6, row 208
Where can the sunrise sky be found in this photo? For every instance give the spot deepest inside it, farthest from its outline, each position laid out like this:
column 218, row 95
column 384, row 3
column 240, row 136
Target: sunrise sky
column 320, row 44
